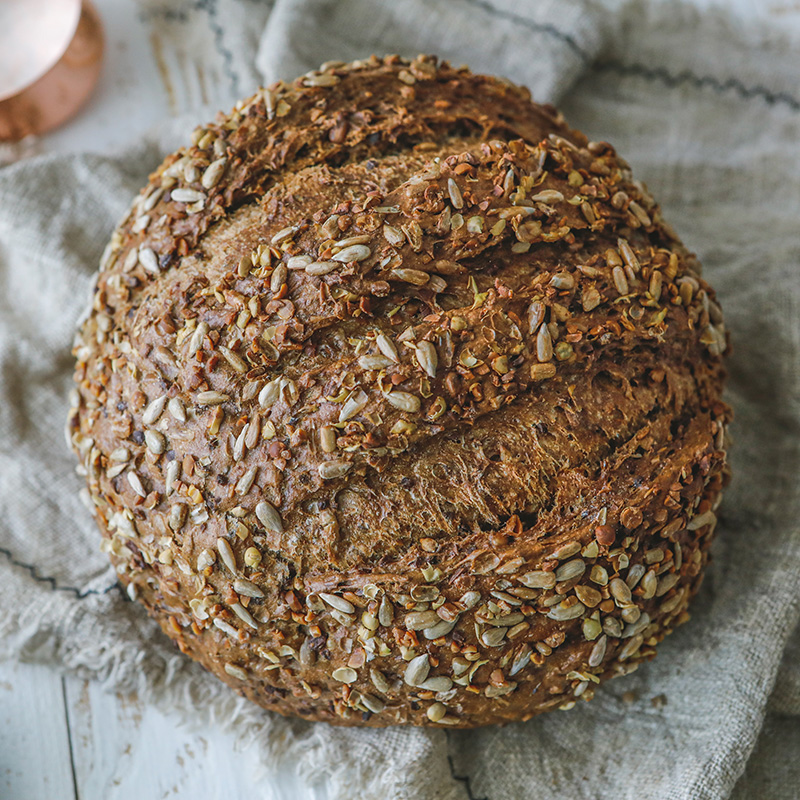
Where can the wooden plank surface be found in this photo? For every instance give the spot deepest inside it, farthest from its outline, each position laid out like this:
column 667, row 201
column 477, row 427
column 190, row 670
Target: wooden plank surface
column 124, row 749
column 35, row 757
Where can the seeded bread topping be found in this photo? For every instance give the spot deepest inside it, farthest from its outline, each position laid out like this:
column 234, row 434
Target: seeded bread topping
column 399, row 402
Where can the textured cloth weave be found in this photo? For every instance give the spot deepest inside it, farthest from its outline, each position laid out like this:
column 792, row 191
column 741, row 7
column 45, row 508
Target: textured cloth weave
column 708, row 114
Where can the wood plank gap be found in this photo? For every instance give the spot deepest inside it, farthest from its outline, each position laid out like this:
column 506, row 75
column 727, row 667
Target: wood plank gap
column 69, row 739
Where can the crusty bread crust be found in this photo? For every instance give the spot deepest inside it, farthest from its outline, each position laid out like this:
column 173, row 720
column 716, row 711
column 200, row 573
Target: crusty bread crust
column 400, row 403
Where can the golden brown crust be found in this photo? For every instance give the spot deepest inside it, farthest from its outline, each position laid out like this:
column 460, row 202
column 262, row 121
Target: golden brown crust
column 400, row 403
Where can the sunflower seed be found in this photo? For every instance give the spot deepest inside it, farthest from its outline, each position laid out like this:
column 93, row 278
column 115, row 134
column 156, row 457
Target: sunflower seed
column 379, row 681
column 269, row 517
column 236, row 672
column 184, row 195
column 374, row 704
column 469, row 599
column 356, row 252
column 226, row 627
column 635, row 574
column 535, row 316
column 640, row 214
column 427, row 357
column 321, row 267
column 590, row 298
column 439, row 683
column 612, row 627
column 393, row 235
column 226, row 554
column 177, row 516
column 649, row 585
column 155, row 441
column 213, row 172
column 419, row 620
column 327, row 438
column 339, row 603
column 666, row 582
column 548, row 196
column 521, row 660
column 330, row 470
column 588, row 596
column 354, row 404
column 386, row 346
column 206, row 559
column 561, row 612
column 414, row 276
column 283, row 234
column 565, row 551
column 620, row 281
column 417, row 670
column 630, row 613
column 544, row 344
column 154, row 410
column 136, row 484
column 298, row 262
column 247, row 588
column 598, row 652
column 244, row 615
column 706, row 518
column 149, row 260
column 570, row 569
column 270, row 394
column 636, row 627
column 235, row 360
column 306, row 655
column 374, row 362
column 591, row 629
column 151, row 201
column 278, row 278
column 176, row 409
column 628, row 256
column 385, row 612
column 620, row 592
column 441, row 629
column 196, row 342
column 562, row 280
column 211, row 398
column 318, row 81
column 173, row 468
column 539, row 579
column 631, row 647
column 345, row 675
column 493, row 637
column 404, row 401
column 656, row 280
column 455, row 194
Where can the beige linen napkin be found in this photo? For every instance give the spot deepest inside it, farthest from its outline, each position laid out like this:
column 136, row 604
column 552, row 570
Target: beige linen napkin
column 708, row 113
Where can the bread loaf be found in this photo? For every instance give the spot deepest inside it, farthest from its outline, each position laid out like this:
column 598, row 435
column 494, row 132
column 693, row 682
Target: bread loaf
column 399, row 402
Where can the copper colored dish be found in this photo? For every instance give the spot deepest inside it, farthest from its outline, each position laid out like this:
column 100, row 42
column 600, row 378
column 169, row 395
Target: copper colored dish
column 50, row 58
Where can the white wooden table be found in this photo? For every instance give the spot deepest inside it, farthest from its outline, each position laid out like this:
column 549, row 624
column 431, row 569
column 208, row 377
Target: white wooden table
column 61, row 737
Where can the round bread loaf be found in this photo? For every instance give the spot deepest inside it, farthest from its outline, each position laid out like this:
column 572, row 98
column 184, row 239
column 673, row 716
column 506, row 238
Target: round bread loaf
column 399, row 402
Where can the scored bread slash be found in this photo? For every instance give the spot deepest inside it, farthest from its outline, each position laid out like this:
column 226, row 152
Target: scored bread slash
column 388, row 421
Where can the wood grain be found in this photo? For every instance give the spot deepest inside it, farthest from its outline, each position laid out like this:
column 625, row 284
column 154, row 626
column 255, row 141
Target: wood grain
column 124, row 749
column 34, row 739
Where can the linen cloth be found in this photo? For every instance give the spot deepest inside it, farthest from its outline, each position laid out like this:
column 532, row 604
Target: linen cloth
column 708, row 113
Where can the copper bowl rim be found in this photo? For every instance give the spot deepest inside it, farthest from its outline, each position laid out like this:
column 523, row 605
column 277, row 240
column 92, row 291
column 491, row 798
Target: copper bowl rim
column 59, row 92
column 46, row 66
